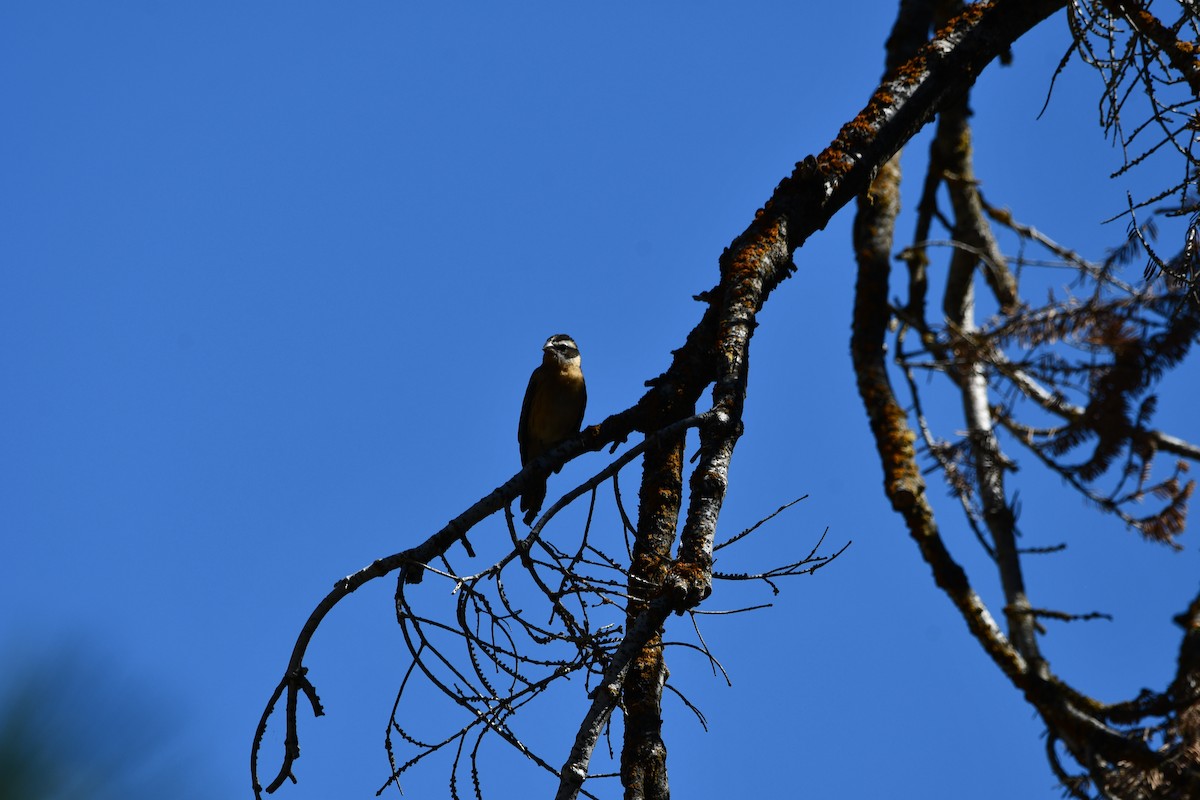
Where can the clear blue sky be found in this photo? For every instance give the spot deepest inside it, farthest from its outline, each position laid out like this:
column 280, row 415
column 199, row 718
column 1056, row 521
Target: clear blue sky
column 274, row 277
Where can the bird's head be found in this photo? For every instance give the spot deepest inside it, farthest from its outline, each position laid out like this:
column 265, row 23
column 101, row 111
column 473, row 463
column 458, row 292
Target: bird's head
column 560, row 349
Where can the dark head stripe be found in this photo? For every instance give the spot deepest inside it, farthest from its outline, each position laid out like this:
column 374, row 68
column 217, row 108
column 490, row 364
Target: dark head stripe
column 564, row 344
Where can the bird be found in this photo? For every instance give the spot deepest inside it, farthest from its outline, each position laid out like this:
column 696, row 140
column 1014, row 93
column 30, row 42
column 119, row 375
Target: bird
column 551, row 413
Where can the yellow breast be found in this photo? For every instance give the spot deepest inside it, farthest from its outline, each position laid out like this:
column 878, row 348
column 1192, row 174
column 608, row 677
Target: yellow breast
column 555, row 408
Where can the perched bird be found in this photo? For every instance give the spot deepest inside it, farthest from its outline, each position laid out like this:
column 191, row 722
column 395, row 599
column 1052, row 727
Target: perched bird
column 551, row 413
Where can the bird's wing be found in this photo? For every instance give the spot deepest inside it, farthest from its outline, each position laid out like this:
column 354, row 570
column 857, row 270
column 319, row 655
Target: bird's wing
column 523, row 425
column 582, row 405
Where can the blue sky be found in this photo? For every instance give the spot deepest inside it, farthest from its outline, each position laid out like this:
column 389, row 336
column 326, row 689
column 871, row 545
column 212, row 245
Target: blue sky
column 275, row 275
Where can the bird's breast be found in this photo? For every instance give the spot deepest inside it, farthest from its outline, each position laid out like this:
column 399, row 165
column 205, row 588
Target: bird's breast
column 554, row 409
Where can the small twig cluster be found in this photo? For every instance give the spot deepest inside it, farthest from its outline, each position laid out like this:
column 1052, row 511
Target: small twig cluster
column 1150, row 105
column 507, row 645
column 1086, row 362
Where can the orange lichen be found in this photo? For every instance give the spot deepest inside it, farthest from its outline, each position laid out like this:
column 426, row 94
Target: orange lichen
column 746, row 260
column 910, row 72
column 969, row 16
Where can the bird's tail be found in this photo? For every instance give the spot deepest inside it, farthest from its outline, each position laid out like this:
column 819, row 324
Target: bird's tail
column 534, row 496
